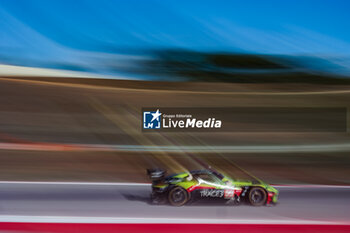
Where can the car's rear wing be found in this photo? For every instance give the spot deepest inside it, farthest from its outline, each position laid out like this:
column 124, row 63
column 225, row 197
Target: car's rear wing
column 156, row 173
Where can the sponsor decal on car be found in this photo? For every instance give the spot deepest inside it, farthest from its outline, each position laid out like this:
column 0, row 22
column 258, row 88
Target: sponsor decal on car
column 212, row 193
column 218, row 193
column 229, row 193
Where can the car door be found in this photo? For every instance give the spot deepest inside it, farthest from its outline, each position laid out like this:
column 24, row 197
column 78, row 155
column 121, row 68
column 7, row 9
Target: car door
column 208, row 186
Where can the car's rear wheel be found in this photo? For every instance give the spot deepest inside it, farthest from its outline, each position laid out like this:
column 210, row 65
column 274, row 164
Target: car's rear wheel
column 257, row 196
column 178, row 196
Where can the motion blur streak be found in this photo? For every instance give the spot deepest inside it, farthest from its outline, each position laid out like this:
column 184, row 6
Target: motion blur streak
column 57, row 82
column 130, row 127
column 158, row 149
column 92, row 134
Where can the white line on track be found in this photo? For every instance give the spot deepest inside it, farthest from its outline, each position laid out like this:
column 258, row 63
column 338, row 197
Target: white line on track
column 78, row 219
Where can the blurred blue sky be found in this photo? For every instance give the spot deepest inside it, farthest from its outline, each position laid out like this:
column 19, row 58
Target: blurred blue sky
column 77, row 31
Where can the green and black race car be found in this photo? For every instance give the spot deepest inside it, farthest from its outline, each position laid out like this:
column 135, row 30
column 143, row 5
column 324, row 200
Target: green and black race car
column 179, row 189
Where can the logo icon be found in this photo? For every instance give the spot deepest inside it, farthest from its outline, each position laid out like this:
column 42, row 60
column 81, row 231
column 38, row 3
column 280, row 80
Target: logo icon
column 151, row 120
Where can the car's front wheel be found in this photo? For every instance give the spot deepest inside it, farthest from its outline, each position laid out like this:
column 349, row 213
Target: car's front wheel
column 257, row 196
column 178, row 196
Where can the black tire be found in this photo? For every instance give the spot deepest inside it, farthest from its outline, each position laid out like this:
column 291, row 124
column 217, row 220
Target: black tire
column 257, row 196
column 178, row 196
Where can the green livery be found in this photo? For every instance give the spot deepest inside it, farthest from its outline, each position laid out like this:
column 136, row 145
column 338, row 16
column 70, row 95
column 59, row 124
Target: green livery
column 182, row 188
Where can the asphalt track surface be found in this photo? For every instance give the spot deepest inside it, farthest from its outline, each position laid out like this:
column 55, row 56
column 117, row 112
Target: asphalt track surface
column 129, row 203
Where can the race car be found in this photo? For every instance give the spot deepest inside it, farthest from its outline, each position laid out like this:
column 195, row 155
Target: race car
column 186, row 187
